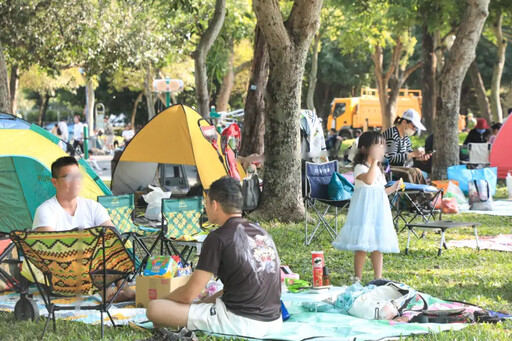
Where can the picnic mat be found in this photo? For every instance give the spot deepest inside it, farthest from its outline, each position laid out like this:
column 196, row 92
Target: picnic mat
column 502, row 242
column 304, row 323
column 122, row 313
column 500, row 208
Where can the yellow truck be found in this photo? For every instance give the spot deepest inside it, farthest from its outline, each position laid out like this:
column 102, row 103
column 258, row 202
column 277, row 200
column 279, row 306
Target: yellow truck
column 348, row 114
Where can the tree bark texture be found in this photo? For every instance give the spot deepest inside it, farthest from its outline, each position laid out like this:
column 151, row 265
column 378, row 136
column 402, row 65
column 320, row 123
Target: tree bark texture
column 288, row 46
column 312, row 74
column 428, row 90
column 481, row 97
column 5, row 105
column 496, row 109
column 462, row 53
column 227, row 83
column 253, row 129
column 13, row 88
column 148, row 93
column 205, row 43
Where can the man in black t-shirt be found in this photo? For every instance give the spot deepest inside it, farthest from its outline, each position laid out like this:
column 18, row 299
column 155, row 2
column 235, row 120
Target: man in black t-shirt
column 244, row 257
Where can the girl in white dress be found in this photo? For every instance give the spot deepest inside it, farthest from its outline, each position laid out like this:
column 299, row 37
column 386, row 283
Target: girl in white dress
column 369, row 225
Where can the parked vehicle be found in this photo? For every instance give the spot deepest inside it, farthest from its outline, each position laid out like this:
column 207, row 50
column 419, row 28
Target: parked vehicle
column 364, row 112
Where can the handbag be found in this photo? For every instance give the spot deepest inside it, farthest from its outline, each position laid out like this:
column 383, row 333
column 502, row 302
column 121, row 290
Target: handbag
column 480, row 198
column 251, row 193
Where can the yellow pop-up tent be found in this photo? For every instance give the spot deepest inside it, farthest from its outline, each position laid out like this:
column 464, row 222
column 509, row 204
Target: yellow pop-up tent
column 170, row 151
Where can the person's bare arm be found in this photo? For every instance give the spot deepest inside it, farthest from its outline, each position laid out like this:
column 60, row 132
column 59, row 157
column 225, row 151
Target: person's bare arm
column 107, row 223
column 393, row 188
column 369, row 177
column 189, row 292
column 212, row 298
column 44, row 229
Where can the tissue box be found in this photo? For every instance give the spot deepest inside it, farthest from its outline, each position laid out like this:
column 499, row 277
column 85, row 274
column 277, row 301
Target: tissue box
column 151, row 288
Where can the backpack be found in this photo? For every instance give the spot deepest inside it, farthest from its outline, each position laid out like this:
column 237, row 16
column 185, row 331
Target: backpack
column 384, row 302
column 480, row 197
column 251, row 193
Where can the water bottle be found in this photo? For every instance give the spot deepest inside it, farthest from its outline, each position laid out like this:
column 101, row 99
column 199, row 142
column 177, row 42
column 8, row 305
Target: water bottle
column 509, row 184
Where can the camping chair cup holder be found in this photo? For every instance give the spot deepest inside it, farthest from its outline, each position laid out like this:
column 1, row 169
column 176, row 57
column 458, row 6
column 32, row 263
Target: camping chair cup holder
column 316, row 179
column 88, row 259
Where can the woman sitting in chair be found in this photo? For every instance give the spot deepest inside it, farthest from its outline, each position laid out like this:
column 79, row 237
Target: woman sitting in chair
column 399, row 147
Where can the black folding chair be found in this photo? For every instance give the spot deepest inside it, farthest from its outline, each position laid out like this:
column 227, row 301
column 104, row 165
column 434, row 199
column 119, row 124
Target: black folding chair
column 316, row 180
column 413, row 202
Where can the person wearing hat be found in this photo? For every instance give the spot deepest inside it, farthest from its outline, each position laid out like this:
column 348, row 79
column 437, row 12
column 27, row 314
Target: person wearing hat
column 471, row 122
column 400, row 154
column 480, row 133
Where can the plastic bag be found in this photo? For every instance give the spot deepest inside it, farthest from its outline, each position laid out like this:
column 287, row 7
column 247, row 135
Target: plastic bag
column 464, row 176
column 154, row 200
column 449, row 205
column 453, row 191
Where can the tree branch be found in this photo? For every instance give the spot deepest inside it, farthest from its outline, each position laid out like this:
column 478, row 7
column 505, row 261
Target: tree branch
column 271, row 22
column 303, row 16
column 410, row 70
column 242, row 66
column 214, row 27
column 395, row 59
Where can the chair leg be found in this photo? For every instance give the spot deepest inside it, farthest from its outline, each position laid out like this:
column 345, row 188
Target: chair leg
column 50, row 314
column 408, row 241
column 102, row 326
column 441, row 244
column 476, row 238
column 306, row 219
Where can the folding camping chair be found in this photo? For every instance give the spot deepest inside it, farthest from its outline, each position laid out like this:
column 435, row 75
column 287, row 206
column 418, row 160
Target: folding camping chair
column 120, row 209
column 76, row 262
column 479, row 154
column 415, row 201
column 181, row 220
column 316, row 179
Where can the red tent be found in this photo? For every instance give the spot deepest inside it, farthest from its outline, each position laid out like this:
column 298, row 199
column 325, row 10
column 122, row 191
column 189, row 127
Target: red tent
column 501, row 151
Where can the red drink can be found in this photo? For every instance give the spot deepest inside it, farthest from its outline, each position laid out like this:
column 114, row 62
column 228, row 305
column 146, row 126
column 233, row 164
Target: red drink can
column 318, row 264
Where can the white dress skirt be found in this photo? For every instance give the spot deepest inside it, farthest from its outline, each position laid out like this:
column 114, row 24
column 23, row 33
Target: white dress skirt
column 369, row 225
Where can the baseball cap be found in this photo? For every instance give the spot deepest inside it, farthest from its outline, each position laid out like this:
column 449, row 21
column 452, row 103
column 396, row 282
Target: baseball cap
column 413, row 116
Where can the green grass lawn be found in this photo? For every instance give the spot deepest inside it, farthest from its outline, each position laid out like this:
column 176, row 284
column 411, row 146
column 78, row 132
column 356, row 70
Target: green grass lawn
column 483, row 278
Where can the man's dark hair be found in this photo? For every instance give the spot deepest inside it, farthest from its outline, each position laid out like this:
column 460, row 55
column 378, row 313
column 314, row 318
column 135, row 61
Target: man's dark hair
column 62, row 162
column 228, row 193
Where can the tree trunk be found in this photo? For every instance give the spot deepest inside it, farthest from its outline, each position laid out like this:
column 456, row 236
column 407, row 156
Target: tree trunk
column 288, row 47
column 481, row 97
column 428, row 90
column 5, row 105
column 13, row 88
column 205, row 43
column 253, row 129
column 462, row 53
column 148, row 92
column 45, row 99
column 497, row 71
column 382, row 84
column 134, row 109
column 312, row 74
column 89, row 105
column 227, row 83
